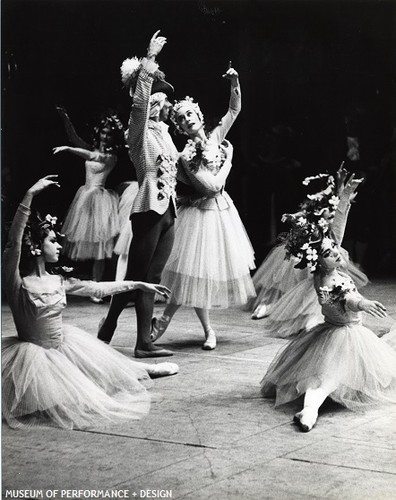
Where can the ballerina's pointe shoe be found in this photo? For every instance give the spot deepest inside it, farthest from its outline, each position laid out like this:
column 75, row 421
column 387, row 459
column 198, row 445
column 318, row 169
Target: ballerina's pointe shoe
column 158, row 327
column 96, row 300
column 306, row 418
column 162, row 370
column 210, row 342
column 260, row 312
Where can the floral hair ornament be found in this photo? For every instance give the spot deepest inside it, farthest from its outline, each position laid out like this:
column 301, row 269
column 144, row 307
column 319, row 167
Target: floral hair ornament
column 303, row 241
column 322, row 205
column 129, row 74
column 186, row 102
column 36, row 230
column 112, row 122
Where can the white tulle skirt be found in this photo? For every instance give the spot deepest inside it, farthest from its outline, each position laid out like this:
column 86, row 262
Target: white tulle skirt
column 275, row 277
column 81, row 383
column 124, row 213
column 211, row 259
column 350, row 358
column 91, row 224
column 297, row 309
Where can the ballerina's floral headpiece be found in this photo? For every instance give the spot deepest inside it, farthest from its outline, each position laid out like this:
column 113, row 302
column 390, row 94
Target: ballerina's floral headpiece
column 311, row 225
column 36, row 230
column 186, row 102
column 321, row 206
column 303, row 242
column 112, row 122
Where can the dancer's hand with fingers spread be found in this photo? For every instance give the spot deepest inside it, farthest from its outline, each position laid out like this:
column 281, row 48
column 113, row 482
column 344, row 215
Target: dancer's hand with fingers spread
column 59, row 149
column 351, row 187
column 44, row 183
column 155, row 46
column 372, row 307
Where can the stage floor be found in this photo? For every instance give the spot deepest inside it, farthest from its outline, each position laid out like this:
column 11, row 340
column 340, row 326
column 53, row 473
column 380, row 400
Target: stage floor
column 209, row 434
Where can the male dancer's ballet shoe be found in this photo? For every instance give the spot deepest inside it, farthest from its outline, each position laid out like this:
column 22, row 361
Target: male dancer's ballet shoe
column 158, row 327
column 156, row 352
column 260, row 312
column 306, row 418
column 210, row 342
column 162, row 370
column 103, row 334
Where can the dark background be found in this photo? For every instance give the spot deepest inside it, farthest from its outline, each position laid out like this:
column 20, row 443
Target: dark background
column 305, row 67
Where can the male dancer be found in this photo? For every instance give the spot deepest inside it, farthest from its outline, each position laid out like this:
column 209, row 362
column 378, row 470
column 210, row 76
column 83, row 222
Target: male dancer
column 154, row 156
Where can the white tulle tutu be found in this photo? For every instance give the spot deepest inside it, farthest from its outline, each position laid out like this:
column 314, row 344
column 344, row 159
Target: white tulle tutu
column 275, row 277
column 80, row 383
column 297, row 309
column 124, row 212
column 211, row 259
column 91, row 224
column 352, row 358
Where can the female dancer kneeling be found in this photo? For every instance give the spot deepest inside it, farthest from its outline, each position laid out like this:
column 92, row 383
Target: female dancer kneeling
column 339, row 358
column 211, row 258
column 53, row 374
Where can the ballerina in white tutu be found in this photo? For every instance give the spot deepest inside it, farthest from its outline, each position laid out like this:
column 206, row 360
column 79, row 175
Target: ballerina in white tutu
column 339, row 358
column 285, row 293
column 55, row 374
column 209, row 266
column 91, row 224
column 124, row 239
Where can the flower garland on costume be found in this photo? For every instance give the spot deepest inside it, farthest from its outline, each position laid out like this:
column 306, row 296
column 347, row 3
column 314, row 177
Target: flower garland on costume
column 209, row 156
column 337, row 294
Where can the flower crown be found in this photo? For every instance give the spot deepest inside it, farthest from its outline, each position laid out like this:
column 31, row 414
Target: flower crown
column 114, row 124
column 36, row 230
column 189, row 103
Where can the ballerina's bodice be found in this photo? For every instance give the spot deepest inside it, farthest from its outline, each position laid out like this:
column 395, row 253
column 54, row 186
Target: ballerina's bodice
column 98, row 169
column 208, row 160
column 39, row 319
column 335, row 309
column 335, row 314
